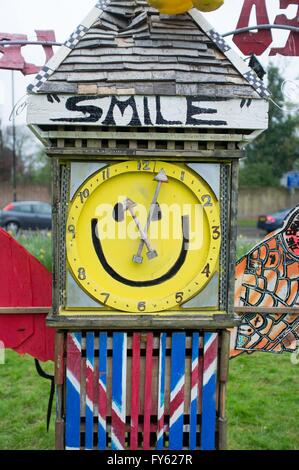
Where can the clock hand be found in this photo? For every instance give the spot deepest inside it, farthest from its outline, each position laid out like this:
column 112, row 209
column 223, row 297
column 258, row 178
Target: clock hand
column 161, row 177
column 129, row 205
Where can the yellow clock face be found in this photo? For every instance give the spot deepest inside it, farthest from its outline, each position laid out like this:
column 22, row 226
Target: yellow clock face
column 143, row 236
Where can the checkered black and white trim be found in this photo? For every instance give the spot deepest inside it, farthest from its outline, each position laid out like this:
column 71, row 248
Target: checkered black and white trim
column 76, row 36
column 40, row 79
column 257, row 84
column 219, row 40
column 101, row 4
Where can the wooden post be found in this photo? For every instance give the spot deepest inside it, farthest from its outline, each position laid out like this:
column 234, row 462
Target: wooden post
column 59, row 381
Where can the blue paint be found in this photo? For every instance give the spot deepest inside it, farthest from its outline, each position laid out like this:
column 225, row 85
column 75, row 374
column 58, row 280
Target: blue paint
column 161, row 391
column 103, row 379
column 89, row 405
column 208, row 426
column 194, row 402
column 72, row 426
column 119, row 358
column 177, row 375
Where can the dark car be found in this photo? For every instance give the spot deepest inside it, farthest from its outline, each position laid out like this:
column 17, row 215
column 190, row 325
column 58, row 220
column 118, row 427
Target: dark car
column 28, row 215
column 272, row 222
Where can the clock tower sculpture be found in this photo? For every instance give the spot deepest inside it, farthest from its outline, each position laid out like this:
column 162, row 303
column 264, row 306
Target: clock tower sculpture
column 144, row 116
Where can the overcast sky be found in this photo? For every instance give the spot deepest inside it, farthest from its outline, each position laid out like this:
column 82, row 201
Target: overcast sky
column 62, row 16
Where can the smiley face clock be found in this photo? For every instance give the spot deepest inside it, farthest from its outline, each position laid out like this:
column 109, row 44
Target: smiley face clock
column 142, row 238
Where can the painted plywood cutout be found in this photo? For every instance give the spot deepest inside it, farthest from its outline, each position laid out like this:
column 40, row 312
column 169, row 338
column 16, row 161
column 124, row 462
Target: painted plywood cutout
column 268, row 276
column 144, row 390
column 25, row 282
column 11, row 55
column 257, row 42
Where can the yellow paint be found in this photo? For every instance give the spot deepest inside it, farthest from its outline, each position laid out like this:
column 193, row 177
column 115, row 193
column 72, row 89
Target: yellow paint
column 171, row 7
column 175, row 7
column 135, row 180
column 208, row 5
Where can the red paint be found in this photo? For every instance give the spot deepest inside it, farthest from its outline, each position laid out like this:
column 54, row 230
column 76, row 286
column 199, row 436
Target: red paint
column 148, row 391
column 291, row 47
column 200, row 378
column 13, row 59
column 258, row 42
column 24, row 282
column 253, row 43
column 135, row 391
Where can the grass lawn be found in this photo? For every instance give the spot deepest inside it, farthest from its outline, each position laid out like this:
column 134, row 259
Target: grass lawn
column 247, row 223
column 263, row 403
column 263, row 400
column 39, row 244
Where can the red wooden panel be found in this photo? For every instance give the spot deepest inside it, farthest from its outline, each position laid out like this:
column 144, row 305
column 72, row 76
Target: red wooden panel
column 25, row 282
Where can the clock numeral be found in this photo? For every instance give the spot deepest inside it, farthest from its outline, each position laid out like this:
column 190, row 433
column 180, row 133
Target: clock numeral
column 141, row 306
column 84, row 195
column 106, row 295
column 81, row 274
column 143, row 165
column 206, row 270
column 182, row 176
column 106, row 174
column 179, row 297
column 207, row 200
column 216, row 232
column 71, row 229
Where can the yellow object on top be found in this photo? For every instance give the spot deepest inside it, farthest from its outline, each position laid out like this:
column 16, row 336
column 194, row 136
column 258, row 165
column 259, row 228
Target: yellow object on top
column 171, row 7
column 176, row 7
column 207, row 5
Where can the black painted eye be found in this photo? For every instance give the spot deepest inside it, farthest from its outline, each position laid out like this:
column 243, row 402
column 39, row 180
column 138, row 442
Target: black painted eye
column 118, row 212
column 157, row 214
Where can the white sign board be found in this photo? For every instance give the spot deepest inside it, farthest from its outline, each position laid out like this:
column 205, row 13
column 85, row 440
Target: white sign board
column 156, row 111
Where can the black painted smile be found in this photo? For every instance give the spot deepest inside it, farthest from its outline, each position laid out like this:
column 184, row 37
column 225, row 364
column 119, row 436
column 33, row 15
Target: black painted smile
column 153, row 282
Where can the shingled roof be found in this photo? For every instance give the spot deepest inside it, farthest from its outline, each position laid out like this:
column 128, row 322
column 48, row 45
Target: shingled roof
column 127, row 47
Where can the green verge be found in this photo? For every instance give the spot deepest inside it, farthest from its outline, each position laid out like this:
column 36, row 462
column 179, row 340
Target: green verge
column 262, row 406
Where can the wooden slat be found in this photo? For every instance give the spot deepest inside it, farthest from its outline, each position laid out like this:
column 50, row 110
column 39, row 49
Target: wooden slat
column 176, row 76
column 194, row 391
column 127, row 65
column 59, row 358
column 161, row 391
column 59, row 382
column 129, row 322
column 89, row 404
column 24, row 310
column 102, row 399
column 73, row 389
column 208, row 425
column 119, row 382
column 190, row 136
column 177, row 383
column 148, row 391
column 267, row 310
column 135, row 400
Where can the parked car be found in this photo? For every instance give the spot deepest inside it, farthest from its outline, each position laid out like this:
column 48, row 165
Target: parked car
column 271, row 222
column 28, row 215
